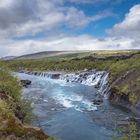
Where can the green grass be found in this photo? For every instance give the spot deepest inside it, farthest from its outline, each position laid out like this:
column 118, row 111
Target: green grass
column 9, row 86
column 112, row 53
column 10, row 105
column 130, row 132
column 114, row 67
column 70, row 56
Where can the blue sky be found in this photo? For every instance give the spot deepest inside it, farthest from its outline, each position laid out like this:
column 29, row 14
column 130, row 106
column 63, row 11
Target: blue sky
column 118, row 10
column 44, row 25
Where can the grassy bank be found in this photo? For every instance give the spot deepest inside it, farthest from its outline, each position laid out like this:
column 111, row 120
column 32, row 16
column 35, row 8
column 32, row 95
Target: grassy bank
column 14, row 112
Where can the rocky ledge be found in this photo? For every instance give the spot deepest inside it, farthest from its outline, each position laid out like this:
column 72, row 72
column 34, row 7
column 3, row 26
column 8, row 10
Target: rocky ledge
column 125, row 91
column 123, row 100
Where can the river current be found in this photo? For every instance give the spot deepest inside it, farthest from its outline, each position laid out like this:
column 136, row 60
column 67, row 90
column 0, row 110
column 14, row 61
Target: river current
column 66, row 110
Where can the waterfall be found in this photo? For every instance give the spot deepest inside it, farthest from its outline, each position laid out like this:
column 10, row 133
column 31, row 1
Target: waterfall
column 98, row 79
column 51, row 75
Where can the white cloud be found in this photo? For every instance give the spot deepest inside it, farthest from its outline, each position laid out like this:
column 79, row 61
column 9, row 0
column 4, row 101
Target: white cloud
column 85, row 1
column 24, row 17
column 130, row 26
column 84, row 42
column 94, row 2
column 6, row 3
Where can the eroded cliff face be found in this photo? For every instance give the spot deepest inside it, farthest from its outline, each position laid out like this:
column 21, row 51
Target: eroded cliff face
column 125, row 91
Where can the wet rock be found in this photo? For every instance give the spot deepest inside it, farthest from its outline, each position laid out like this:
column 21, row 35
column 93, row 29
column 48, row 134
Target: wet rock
column 97, row 85
column 55, row 76
column 97, row 101
column 20, row 114
column 25, row 83
column 123, row 123
column 134, row 119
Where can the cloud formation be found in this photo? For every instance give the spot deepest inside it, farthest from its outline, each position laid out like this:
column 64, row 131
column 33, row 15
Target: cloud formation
column 83, row 42
column 130, row 26
column 24, row 18
column 94, row 2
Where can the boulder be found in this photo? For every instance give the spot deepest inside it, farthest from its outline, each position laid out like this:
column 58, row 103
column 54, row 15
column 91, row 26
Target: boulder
column 97, row 101
column 55, row 76
column 25, row 83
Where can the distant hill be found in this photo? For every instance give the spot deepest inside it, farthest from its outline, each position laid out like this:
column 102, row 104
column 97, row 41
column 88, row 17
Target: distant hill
column 70, row 54
column 8, row 58
column 45, row 54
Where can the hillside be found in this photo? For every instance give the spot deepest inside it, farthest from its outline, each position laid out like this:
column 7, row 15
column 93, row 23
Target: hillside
column 8, row 58
column 48, row 54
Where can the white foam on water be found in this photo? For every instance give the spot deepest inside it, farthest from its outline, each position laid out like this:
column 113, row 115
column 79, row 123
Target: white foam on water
column 69, row 100
column 97, row 79
column 74, row 101
column 45, row 100
column 67, row 103
column 56, row 81
column 90, row 82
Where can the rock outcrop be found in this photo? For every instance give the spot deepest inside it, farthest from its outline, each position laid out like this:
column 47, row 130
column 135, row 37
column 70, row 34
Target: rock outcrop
column 125, row 91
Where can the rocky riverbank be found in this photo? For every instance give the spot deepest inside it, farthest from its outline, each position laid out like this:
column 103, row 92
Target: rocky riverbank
column 122, row 100
column 124, row 91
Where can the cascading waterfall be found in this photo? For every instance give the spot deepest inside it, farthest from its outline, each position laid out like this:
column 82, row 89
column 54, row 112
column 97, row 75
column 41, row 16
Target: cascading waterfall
column 98, row 79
